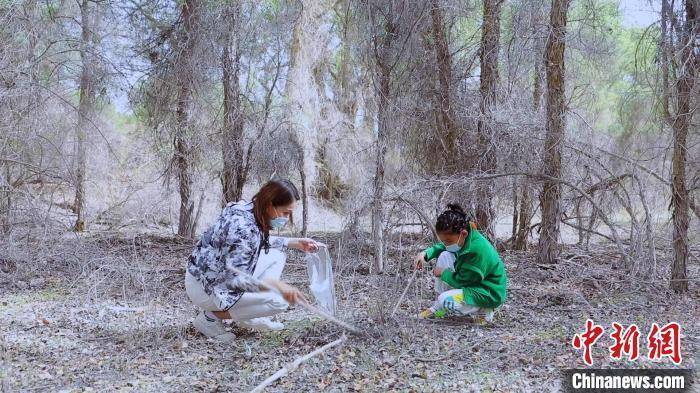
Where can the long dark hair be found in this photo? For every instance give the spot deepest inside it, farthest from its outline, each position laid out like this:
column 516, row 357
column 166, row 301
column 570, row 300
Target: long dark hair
column 278, row 192
column 453, row 220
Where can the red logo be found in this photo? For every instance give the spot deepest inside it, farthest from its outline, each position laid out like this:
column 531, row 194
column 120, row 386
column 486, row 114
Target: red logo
column 665, row 342
column 627, row 343
column 587, row 339
column 661, row 341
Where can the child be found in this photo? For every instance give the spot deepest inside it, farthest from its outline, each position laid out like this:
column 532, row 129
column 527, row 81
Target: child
column 470, row 278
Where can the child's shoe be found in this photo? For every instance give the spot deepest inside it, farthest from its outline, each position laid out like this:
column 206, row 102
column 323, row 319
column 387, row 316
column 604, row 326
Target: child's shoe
column 484, row 316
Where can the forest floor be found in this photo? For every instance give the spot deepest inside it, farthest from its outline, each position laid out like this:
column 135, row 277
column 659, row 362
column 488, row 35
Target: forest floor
column 109, row 313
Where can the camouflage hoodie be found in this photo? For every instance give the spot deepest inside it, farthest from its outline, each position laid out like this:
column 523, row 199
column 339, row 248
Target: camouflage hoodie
column 233, row 241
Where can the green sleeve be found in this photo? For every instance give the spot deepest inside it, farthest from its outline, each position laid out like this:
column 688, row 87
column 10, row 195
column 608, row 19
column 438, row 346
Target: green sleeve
column 466, row 276
column 434, row 251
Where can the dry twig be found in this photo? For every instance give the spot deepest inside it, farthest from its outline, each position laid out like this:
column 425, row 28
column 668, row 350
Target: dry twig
column 410, row 281
column 293, row 366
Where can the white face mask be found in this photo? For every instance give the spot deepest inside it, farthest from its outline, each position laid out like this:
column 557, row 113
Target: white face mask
column 453, row 248
column 278, row 222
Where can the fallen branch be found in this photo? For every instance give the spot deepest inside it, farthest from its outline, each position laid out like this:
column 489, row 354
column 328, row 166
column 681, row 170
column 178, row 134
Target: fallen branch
column 293, row 366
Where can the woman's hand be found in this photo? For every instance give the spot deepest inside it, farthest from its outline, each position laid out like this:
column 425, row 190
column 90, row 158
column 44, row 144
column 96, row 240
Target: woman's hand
column 304, row 244
column 290, row 293
column 418, row 260
column 437, row 272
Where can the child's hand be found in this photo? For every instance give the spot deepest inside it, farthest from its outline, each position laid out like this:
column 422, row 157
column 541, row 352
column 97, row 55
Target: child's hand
column 437, row 272
column 418, row 260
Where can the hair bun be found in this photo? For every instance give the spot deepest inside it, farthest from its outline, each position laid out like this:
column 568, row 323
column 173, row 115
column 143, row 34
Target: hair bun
column 455, row 207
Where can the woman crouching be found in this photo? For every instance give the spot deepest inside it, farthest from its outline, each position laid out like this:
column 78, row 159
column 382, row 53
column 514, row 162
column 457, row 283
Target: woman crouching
column 240, row 241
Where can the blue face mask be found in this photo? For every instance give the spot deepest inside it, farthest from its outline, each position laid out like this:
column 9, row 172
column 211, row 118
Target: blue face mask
column 278, row 222
column 453, row 248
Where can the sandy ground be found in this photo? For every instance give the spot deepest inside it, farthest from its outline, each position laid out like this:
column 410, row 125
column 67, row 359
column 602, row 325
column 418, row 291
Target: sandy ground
column 109, row 313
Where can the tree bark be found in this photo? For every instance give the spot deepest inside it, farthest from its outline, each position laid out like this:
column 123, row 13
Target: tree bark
column 446, row 124
column 86, row 105
column 679, row 189
column 233, row 176
column 383, row 91
column 665, row 58
column 488, row 163
column 182, row 157
column 514, row 229
column 5, row 199
column 555, row 131
column 378, row 197
column 525, row 215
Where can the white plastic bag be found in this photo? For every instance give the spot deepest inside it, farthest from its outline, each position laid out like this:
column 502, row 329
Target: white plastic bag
column 321, row 283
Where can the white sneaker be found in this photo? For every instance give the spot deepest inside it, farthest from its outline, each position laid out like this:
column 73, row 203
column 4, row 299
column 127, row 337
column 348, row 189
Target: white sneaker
column 212, row 328
column 261, row 324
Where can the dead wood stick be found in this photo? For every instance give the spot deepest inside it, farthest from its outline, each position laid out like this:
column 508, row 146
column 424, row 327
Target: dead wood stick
column 293, row 366
column 410, row 281
column 312, row 309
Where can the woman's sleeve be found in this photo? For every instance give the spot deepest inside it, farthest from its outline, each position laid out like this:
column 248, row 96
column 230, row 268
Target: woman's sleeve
column 279, row 242
column 239, row 249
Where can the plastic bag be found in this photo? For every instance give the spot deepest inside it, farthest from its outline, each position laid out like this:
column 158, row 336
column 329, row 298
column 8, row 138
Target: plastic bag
column 321, row 283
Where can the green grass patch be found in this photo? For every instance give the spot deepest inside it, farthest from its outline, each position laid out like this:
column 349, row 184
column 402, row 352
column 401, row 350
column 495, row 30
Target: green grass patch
column 21, row 299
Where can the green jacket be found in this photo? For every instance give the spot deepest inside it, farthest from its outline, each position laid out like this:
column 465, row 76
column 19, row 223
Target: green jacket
column 479, row 271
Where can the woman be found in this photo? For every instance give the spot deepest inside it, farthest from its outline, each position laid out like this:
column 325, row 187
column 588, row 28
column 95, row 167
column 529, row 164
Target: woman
column 470, row 277
column 240, row 241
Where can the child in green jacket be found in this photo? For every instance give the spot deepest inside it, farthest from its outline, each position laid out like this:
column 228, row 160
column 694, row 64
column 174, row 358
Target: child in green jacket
column 470, row 277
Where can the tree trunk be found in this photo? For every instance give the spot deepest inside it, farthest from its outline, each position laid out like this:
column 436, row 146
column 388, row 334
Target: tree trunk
column 524, row 218
column 233, row 174
column 555, row 129
column 307, row 52
column 86, row 105
column 514, row 229
column 525, row 214
column 378, row 198
column 537, row 68
column 679, row 188
column 347, row 98
column 383, row 91
column 665, row 58
column 190, row 14
column 446, row 125
column 490, row 33
column 304, row 199
column 5, row 199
